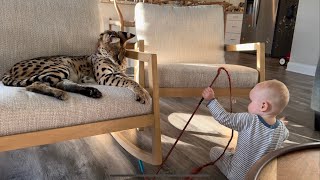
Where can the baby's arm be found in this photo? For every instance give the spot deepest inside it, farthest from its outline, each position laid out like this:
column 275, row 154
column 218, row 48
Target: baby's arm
column 235, row 121
column 285, row 131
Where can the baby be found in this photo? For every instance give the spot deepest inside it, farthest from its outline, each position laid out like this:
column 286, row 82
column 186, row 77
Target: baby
column 259, row 131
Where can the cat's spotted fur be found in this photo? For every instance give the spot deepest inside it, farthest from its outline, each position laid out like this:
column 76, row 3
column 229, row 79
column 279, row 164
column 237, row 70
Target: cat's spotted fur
column 55, row 75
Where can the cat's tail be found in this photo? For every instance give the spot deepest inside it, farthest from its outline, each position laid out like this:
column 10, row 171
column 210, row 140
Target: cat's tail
column 9, row 80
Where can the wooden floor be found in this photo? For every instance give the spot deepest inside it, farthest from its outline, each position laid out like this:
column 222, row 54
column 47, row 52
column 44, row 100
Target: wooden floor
column 100, row 157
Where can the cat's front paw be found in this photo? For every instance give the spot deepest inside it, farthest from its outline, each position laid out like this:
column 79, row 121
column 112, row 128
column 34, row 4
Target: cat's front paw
column 92, row 92
column 61, row 95
column 143, row 96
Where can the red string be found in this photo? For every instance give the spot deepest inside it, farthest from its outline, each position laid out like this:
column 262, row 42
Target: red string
column 197, row 170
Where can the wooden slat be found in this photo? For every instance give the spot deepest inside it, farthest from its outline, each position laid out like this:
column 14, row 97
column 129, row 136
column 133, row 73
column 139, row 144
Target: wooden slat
column 73, row 132
column 121, row 23
column 156, row 131
column 260, row 57
column 139, row 72
column 241, row 47
column 140, row 66
column 261, row 62
column 118, row 23
column 130, row 45
column 196, row 92
column 142, row 56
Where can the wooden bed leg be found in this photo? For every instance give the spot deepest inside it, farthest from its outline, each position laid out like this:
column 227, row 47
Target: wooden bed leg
column 156, row 130
column 156, row 146
column 154, row 158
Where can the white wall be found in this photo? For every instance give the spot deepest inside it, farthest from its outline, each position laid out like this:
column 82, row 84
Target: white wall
column 305, row 45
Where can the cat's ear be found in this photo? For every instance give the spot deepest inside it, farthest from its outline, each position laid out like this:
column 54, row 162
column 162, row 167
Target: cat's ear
column 109, row 37
column 125, row 36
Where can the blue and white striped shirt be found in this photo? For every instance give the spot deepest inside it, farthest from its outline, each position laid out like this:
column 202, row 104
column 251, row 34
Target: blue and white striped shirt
column 255, row 138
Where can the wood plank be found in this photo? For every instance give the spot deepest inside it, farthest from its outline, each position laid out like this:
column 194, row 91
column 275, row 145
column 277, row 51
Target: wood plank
column 118, row 23
column 133, row 149
column 260, row 60
column 156, row 131
column 241, row 47
column 73, row 132
column 142, row 56
column 196, row 92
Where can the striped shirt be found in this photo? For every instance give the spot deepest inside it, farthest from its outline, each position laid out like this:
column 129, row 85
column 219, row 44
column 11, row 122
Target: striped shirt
column 255, row 138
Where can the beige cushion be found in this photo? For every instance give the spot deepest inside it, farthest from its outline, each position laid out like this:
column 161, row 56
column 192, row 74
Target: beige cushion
column 189, row 45
column 36, row 28
column 23, row 111
column 182, row 34
column 201, row 75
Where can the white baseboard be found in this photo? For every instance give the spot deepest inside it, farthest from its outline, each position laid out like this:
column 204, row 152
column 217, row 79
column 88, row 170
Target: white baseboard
column 301, row 68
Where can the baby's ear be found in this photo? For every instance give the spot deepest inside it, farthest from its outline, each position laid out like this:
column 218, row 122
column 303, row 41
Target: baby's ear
column 265, row 106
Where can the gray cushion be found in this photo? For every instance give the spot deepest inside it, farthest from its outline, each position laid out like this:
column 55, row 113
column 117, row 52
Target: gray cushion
column 23, row 111
column 201, row 75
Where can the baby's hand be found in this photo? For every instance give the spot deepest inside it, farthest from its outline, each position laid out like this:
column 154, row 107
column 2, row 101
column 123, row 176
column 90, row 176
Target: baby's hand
column 284, row 120
column 208, row 94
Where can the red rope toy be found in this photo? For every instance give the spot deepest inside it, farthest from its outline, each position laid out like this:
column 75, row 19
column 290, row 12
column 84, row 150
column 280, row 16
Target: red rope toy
column 197, row 170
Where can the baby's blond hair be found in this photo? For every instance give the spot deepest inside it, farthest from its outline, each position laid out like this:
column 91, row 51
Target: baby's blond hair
column 277, row 93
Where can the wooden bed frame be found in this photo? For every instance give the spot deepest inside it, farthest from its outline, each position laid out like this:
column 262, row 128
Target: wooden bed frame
column 114, row 126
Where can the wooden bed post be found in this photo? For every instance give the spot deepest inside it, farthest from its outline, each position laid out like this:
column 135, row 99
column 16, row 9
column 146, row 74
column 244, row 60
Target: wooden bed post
column 139, row 66
column 139, row 71
column 119, row 15
column 261, row 61
column 154, row 89
column 155, row 157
